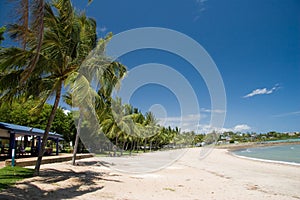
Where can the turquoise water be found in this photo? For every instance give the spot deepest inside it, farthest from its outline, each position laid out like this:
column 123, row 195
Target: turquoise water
column 284, row 153
column 288, row 140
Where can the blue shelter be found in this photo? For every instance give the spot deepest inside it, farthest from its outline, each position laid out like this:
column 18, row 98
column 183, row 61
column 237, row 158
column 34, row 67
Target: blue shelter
column 29, row 136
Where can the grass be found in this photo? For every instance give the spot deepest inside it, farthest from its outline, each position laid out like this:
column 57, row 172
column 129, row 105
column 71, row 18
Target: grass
column 170, row 189
column 10, row 175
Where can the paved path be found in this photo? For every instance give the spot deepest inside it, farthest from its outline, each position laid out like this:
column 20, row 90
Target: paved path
column 22, row 162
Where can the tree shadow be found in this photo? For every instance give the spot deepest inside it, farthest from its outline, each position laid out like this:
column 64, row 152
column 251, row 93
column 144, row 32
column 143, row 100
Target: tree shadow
column 95, row 163
column 56, row 184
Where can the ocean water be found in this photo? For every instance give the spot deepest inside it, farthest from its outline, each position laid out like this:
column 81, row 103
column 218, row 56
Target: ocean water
column 287, row 140
column 282, row 153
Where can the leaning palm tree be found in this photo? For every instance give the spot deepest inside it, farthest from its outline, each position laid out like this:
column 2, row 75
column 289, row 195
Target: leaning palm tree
column 69, row 100
column 29, row 26
column 151, row 127
column 30, row 20
column 2, row 30
column 68, row 39
column 115, row 124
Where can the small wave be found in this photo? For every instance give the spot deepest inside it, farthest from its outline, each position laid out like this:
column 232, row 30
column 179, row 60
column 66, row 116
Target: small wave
column 268, row 161
column 246, row 151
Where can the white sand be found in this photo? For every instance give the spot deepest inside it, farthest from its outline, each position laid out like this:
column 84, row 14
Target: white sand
column 218, row 176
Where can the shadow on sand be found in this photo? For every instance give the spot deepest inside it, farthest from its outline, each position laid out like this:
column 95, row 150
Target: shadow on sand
column 56, row 184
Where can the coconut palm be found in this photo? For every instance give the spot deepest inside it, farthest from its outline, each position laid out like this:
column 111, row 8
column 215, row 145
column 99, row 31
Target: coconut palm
column 68, row 39
column 151, row 128
column 118, row 123
column 30, row 21
column 2, row 30
column 69, row 100
column 29, row 26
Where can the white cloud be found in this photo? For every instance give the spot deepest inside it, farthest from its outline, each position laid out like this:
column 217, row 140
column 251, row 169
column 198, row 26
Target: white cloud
column 262, row 91
column 288, row 114
column 186, row 123
column 102, row 29
column 205, row 128
column 241, row 127
column 66, row 111
column 200, row 1
column 218, row 111
column 190, row 122
column 200, row 8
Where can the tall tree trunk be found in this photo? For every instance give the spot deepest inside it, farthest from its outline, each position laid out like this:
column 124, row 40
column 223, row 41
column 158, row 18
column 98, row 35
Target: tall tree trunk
column 137, row 146
column 77, row 138
column 115, row 147
column 123, row 147
column 25, row 20
column 47, row 130
column 40, row 7
column 133, row 147
column 145, row 143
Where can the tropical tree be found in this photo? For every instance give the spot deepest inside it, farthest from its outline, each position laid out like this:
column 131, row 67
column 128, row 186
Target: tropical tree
column 151, row 128
column 29, row 26
column 118, row 123
column 21, row 30
column 68, row 100
column 20, row 112
column 68, row 39
column 2, row 30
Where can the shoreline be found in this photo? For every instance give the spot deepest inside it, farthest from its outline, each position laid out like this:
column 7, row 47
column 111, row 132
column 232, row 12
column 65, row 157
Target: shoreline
column 234, row 147
column 230, row 148
column 219, row 175
column 265, row 160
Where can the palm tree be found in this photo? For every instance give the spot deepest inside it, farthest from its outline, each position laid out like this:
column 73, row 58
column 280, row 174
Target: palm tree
column 68, row 39
column 21, row 30
column 117, row 123
column 69, row 100
column 28, row 27
column 151, row 128
column 2, row 30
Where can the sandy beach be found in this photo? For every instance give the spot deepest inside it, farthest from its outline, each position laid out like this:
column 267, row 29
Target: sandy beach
column 220, row 175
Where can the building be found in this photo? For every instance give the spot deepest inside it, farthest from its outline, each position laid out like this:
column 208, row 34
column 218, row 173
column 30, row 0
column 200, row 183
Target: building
column 18, row 138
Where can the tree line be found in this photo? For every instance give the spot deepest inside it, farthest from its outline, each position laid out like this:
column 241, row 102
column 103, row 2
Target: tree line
column 54, row 42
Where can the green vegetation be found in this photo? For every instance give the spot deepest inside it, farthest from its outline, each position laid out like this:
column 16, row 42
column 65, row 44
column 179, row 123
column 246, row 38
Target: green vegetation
column 10, row 175
column 231, row 137
column 42, row 67
column 46, row 66
column 129, row 129
column 21, row 112
column 49, row 58
column 2, row 30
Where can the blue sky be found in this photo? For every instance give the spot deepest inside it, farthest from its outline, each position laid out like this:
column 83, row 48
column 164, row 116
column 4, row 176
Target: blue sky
column 255, row 45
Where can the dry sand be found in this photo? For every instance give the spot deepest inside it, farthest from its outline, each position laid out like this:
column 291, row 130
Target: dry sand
column 218, row 176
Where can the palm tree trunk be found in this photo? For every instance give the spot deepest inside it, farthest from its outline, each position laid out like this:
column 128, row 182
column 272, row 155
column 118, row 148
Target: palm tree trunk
column 145, row 143
column 137, row 146
column 115, row 147
column 25, row 19
column 77, row 138
column 47, row 130
column 40, row 30
column 123, row 147
column 134, row 144
column 127, row 144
